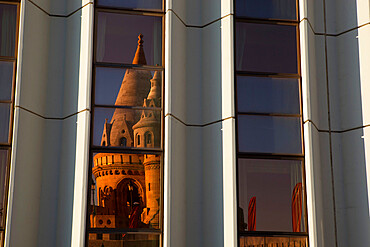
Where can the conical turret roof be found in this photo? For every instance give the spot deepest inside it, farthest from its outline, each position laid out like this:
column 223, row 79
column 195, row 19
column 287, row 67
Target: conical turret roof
column 139, row 55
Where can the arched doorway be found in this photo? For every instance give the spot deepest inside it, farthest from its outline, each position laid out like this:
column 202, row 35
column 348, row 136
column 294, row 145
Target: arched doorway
column 129, row 202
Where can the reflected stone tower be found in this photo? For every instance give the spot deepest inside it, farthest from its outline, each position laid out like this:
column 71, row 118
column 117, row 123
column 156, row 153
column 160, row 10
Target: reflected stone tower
column 128, row 185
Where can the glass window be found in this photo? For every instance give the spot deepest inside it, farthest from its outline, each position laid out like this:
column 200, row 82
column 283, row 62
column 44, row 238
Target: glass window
column 120, row 197
column 4, row 122
column 3, row 172
column 112, row 124
column 276, row 241
column 8, row 27
column 269, row 134
column 268, row 95
column 267, row 9
column 126, row 240
column 276, row 186
column 266, row 48
column 6, row 80
column 127, row 87
column 155, row 5
column 117, row 38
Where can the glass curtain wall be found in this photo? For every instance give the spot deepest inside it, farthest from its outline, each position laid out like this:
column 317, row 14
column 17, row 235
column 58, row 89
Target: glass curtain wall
column 126, row 148
column 271, row 181
column 9, row 11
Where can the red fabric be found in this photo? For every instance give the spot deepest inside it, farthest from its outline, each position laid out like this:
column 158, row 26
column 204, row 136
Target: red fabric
column 134, row 219
column 297, row 207
column 252, row 214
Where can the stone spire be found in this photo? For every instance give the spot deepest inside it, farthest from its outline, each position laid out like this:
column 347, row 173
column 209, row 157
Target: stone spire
column 155, row 90
column 139, row 55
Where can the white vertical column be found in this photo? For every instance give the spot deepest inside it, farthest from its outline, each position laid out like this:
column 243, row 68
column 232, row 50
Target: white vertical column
column 83, row 129
column 228, row 126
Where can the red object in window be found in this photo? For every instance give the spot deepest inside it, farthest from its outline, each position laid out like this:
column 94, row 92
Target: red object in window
column 252, row 214
column 297, row 207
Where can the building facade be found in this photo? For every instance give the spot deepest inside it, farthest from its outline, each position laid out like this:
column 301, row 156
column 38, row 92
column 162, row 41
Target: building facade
column 157, row 158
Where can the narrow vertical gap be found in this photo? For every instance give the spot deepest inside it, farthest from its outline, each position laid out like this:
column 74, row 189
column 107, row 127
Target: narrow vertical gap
column 329, row 125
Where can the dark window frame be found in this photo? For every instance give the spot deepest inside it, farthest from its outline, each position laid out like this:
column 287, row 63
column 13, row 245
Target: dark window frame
column 8, row 145
column 121, row 149
column 274, row 156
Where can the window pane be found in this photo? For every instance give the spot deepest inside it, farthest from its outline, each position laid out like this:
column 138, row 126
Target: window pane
column 271, row 195
column 267, row 134
column 126, row 191
column 117, row 39
column 266, row 48
column 6, row 80
column 8, row 26
column 133, row 4
column 273, row 241
column 268, row 95
column 126, row 240
column 3, row 166
column 127, row 128
column 129, row 87
column 4, row 122
column 267, row 9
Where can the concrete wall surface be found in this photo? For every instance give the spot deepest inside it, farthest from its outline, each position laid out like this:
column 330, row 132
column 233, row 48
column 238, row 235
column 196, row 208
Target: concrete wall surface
column 335, row 78
column 52, row 99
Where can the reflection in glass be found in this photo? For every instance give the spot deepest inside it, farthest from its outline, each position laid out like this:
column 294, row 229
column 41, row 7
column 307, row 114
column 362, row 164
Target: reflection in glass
column 6, row 80
column 4, row 122
column 266, row 48
column 266, row 9
column 291, row 241
column 3, row 165
column 269, row 134
column 268, row 95
column 274, row 184
column 125, row 191
column 155, row 5
column 117, row 38
column 8, row 26
column 123, row 127
column 126, row 240
column 127, row 87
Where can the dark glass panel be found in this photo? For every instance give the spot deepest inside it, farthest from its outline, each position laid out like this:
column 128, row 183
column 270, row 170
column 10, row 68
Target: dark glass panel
column 3, row 172
column 272, row 183
column 155, row 5
column 6, row 80
column 292, row 241
column 269, row 134
column 126, row 240
column 130, row 87
column 267, row 9
column 8, row 27
column 127, row 128
column 117, row 38
column 268, row 95
column 266, row 48
column 120, row 192
column 4, row 122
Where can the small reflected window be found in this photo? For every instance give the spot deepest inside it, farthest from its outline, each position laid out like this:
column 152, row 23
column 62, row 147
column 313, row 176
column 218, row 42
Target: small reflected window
column 123, row 142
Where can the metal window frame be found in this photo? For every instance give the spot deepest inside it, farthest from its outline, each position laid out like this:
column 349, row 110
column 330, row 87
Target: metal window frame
column 8, row 146
column 96, row 149
column 274, row 156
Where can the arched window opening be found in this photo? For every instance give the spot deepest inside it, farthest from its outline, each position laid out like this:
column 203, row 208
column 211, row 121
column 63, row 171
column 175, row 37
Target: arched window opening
column 123, row 142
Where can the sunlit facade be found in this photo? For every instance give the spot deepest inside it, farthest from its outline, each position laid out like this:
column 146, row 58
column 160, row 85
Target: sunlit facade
column 180, row 123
